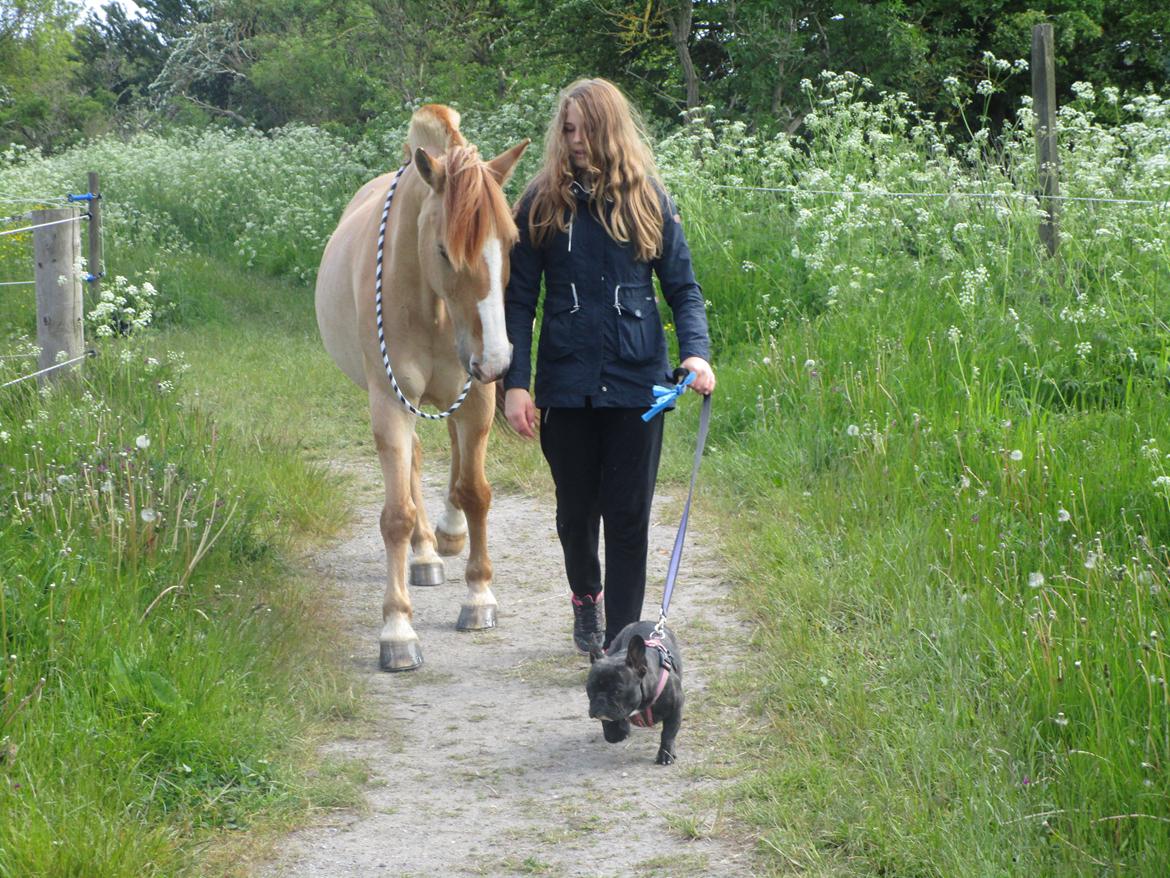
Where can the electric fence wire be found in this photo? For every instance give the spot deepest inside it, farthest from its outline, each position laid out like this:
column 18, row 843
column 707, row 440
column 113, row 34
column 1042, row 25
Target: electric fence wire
column 47, row 369
column 72, row 219
column 864, row 193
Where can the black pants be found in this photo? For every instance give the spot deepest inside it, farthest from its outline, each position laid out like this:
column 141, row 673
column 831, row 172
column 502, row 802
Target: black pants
column 604, row 462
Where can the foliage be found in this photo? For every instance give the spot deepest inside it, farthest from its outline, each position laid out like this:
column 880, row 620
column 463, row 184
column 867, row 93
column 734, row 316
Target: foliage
column 340, row 65
column 38, row 106
column 123, row 308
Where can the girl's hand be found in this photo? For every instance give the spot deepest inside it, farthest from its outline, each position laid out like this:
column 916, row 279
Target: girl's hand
column 520, row 412
column 704, row 381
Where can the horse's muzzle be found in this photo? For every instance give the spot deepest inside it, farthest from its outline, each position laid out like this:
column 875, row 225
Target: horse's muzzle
column 491, row 367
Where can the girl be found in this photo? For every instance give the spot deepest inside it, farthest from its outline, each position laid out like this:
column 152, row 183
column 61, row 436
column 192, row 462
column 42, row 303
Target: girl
column 594, row 222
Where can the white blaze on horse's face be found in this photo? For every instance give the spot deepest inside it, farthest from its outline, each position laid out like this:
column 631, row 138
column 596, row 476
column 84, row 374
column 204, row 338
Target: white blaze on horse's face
column 496, row 351
column 467, row 264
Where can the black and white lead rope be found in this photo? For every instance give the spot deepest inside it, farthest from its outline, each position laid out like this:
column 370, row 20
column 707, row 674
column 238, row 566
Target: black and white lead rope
column 410, row 407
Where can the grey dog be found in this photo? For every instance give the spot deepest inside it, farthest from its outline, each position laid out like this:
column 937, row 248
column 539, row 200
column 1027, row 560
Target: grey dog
column 638, row 680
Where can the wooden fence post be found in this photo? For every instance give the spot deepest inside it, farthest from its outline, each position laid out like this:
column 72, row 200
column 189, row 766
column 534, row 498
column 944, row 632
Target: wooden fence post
column 95, row 235
column 1047, row 160
column 57, row 250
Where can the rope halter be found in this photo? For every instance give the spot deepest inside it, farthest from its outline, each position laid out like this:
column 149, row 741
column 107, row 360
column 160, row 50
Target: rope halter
column 410, row 407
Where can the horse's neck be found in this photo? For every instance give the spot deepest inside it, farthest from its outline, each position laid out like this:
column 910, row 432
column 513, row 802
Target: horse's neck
column 425, row 302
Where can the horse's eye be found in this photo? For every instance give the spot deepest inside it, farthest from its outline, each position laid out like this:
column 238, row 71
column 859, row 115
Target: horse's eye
column 443, row 253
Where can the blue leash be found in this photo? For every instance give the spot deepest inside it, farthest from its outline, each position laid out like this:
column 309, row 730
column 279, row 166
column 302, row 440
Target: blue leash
column 666, row 396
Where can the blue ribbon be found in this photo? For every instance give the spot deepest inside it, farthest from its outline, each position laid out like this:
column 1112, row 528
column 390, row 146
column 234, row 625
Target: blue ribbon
column 665, row 396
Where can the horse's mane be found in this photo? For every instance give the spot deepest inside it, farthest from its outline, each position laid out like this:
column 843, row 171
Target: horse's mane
column 475, row 207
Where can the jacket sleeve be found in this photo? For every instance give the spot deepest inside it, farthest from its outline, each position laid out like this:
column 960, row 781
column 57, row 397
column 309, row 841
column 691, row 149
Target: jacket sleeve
column 520, row 300
column 679, row 287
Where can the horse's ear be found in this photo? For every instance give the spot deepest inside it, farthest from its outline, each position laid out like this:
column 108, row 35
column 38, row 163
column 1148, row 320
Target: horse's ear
column 503, row 164
column 430, row 169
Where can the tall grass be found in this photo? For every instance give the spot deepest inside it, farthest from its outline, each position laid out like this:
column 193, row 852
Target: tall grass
column 965, row 589
column 164, row 663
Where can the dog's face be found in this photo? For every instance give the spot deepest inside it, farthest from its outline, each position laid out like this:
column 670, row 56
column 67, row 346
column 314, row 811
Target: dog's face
column 614, row 686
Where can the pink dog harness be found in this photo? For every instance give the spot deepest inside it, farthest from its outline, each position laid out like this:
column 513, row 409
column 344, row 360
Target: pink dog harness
column 644, row 718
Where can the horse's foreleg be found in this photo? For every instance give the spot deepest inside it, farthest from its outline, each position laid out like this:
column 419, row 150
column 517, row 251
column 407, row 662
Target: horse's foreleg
column 393, row 431
column 451, row 533
column 474, row 495
column 426, row 568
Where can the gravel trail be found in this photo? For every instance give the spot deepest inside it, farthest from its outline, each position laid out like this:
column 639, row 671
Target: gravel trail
column 484, row 761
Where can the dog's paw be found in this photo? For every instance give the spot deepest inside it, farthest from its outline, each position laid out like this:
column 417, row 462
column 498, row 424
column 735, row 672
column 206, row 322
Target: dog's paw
column 665, row 757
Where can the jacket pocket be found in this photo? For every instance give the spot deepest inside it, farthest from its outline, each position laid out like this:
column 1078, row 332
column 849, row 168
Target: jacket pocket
column 639, row 328
column 559, row 330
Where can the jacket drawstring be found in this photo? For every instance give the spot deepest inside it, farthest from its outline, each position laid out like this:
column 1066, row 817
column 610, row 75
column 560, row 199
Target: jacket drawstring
column 616, row 303
column 576, row 304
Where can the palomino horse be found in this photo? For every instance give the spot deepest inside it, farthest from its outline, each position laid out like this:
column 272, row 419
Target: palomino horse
column 444, row 265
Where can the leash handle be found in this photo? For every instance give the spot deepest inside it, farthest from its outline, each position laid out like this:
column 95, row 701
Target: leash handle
column 680, row 537
column 665, row 396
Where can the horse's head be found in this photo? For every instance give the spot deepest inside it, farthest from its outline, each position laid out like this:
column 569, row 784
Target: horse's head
column 466, row 233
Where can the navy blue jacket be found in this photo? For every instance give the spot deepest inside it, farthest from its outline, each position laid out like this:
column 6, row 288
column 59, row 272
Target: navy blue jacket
column 601, row 337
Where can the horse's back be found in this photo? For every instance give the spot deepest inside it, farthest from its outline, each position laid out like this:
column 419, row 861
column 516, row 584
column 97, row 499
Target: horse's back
column 342, row 274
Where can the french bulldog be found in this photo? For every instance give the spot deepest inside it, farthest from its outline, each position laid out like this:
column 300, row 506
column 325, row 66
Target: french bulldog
column 638, row 683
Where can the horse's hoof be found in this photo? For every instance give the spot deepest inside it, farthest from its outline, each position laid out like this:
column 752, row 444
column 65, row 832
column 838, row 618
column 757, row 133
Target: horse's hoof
column 400, row 656
column 449, row 544
column 427, row 573
column 476, row 618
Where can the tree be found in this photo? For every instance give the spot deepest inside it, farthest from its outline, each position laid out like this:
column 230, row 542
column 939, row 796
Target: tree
column 39, row 105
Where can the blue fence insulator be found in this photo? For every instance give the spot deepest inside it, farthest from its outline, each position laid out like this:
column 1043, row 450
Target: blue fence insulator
column 88, row 196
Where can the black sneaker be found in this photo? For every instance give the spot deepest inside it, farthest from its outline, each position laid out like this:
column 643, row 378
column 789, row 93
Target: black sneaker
column 588, row 624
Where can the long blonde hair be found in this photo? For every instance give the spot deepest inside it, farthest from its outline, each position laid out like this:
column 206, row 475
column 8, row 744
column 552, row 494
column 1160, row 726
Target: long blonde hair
column 621, row 167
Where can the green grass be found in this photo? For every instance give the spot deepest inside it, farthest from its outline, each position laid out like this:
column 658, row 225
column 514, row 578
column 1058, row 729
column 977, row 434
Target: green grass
column 939, row 475
column 147, row 533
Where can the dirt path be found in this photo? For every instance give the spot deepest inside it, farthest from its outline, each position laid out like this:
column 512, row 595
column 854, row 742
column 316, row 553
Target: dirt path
column 484, row 761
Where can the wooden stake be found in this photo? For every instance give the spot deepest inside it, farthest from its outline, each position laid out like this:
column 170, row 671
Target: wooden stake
column 1047, row 159
column 57, row 250
column 95, row 235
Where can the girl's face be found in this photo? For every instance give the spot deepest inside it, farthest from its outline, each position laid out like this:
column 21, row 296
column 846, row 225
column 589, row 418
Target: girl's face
column 574, row 134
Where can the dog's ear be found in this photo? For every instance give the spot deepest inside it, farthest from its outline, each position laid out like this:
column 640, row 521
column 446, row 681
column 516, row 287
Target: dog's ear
column 636, row 654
